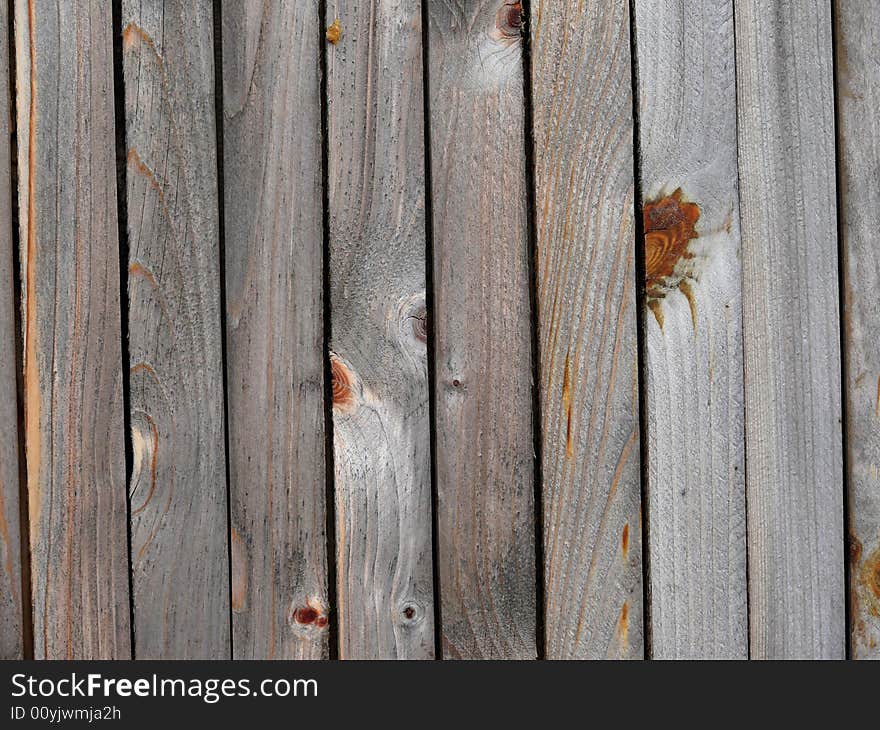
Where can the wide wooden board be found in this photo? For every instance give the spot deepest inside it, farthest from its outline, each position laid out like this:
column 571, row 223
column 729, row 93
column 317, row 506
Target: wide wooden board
column 74, row 434
column 274, row 324
column 794, row 452
column 583, row 142
column 692, row 314
column 180, row 565
column 858, row 100
column 482, row 325
column 378, row 343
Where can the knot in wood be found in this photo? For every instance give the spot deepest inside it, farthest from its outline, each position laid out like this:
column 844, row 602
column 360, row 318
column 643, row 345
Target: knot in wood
column 508, row 23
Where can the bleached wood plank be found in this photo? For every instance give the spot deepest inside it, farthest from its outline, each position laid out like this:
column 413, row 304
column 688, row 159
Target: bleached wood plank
column 858, row 99
column 484, row 436
column 693, row 325
column 11, row 606
column 274, row 320
column 583, row 127
column 180, row 565
column 791, row 329
column 74, row 433
column 381, row 429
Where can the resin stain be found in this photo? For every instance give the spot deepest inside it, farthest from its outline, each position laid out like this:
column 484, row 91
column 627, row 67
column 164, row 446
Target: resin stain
column 670, row 227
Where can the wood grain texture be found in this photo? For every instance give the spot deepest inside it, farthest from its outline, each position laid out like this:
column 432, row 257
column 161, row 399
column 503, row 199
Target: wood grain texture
column 484, row 438
column 583, row 127
column 274, row 320
column 11, row 607
column 693, row 325
column 180, row 571
column 791, row 329
column 381, row 430
column 858, row 98
column 70, row 310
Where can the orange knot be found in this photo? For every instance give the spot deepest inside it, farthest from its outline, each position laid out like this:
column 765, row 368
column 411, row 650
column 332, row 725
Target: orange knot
column 669, row 229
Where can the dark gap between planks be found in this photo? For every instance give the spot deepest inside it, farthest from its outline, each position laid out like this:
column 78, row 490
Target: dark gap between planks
column 221, row 232
column 329, row 461
column 641, row 335
column 842, row 315
column 432, row 350
column 537, row 421
column 122, row 223
column 27, row 624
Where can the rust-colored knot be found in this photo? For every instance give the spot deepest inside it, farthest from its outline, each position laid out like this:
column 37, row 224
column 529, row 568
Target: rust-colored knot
column 669, row 228
column 307, row 615
column 508, row 23
column 342, row 382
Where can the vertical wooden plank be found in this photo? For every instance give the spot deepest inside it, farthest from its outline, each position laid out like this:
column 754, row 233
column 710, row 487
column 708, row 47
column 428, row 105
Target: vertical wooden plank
column 484, row 436
column 791, row 329
column 72, row 354
column 11, row 606
column 381, row 436
column 581, row 82
column 274, row 320
column 180, row 571
column 858, row 98
column 693, row 326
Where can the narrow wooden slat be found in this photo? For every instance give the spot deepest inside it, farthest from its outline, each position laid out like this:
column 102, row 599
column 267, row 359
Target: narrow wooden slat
column 484, row 439
column 11, row 607
column 791, row 329
column 274, row 320
column 180, row 572
column 70, row 310
column 693, row 325
column 381, row 433
column 858, row 99
column 581, row 83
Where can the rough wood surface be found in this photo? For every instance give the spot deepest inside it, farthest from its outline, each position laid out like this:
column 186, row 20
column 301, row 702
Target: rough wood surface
column 583, row 139
column 11, row 607
column 381, row 431
column 274, row 320
column 484, row 439
column 70, row 310
column 791, row 329
column 858, row 99
column 693, row 325
column 180, row 572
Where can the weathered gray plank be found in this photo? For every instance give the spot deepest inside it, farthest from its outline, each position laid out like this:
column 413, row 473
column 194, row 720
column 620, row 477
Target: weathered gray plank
column 11, row 607
column 791, row 328
column 274, row 320
column 858, row 99
column 180, row 577
column 381, row 435
column 693, row 325
column 583, row 128
column 70, row 310
column 484, row 434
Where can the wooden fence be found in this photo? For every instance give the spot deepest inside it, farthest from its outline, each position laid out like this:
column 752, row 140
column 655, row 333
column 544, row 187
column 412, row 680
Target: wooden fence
column 441, row 329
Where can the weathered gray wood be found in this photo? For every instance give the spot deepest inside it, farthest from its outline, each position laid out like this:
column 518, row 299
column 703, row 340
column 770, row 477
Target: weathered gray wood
column 484, row 437
column 693, row 325
column 583, row 128
column 70, row 310
column 11, row 606
column 180, row 571
column 274, row 320
column 381, row 434
column 858, row 98
column 791, row 328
